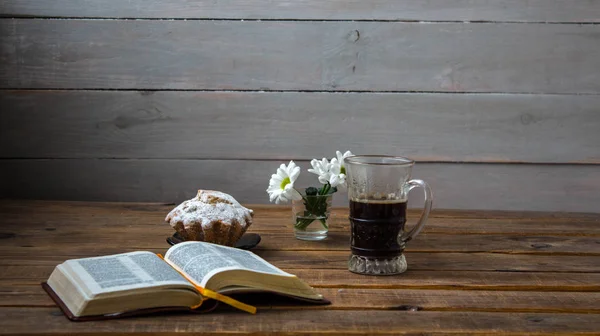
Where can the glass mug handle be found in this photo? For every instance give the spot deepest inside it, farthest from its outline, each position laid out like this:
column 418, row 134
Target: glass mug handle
column 407, row 236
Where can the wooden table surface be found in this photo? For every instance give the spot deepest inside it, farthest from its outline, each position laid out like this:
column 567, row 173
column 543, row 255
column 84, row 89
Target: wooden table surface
column 470, row 272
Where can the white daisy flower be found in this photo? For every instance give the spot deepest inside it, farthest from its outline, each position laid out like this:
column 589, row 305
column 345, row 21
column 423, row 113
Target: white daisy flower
column 321, row 168
column 337, row 170
column 336, row 177
column 340, row 159
column 281, row 186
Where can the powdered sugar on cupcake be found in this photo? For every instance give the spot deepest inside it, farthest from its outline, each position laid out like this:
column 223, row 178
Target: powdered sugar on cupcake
column 211, row 216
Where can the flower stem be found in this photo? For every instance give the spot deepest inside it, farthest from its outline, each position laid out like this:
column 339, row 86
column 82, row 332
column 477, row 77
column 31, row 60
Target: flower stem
column 303, row 223
column 325, row 189
column 324, row 223
column 315, row 208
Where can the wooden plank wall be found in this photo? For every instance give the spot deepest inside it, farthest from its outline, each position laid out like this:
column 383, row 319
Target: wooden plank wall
column 148, row 100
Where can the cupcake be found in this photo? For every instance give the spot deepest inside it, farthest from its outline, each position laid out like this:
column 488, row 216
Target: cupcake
column 211, row 216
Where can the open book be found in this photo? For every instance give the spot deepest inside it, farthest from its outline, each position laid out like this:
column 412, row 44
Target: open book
column 189, row 274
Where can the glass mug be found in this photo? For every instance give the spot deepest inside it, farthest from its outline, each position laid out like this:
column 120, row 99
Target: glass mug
column 378, row 188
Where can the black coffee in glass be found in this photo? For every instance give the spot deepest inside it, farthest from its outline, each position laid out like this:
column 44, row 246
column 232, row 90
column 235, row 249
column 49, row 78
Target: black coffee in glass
column 378, row 188
column 375, row 227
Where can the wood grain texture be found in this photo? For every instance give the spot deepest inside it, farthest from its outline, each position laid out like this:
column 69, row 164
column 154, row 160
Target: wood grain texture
column 433, row 10
column 441, row 261
column 60, row 221
column 470, row 293
column 245, row 125
column 31, row 275
column 338, row 260
column 384, row 299
column 23, row 232
column 369, row 56
column 51, row 321
column 453, row 280
column 515, row 229
column 267, row 212
column 462, row 186
column 33, row 241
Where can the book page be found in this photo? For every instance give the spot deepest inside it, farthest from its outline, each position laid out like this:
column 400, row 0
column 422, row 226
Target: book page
column 201, row 260
column 125, row 271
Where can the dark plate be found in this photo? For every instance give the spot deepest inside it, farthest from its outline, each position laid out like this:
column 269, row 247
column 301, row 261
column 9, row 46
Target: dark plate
column 247, row 242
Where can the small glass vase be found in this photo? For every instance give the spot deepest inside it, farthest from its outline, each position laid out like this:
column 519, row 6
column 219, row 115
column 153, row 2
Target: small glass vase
column 310, row 217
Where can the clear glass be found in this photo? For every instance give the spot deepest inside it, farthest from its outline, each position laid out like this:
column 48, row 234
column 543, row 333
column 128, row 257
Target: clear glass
column 378, row 188
column 310, row 217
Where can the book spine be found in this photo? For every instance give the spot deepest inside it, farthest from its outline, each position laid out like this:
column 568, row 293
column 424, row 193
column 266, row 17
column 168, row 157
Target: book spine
column 209, row 294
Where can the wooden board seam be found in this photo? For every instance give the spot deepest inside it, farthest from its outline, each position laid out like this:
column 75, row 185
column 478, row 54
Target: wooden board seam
column 530, row 253
column 499, row 162
column 482, row 162
column 142, row 90
column 267, row 19
column 399, row 308
column 496, row 288
column 426, row 11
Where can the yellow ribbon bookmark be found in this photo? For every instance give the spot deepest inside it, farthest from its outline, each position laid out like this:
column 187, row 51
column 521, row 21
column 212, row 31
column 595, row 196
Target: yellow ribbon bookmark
column 207, row 293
